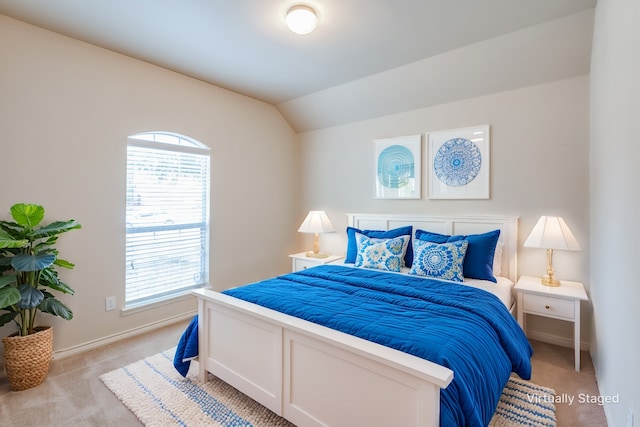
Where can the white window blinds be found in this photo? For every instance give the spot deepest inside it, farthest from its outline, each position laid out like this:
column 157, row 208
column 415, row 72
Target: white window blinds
column 167, row 218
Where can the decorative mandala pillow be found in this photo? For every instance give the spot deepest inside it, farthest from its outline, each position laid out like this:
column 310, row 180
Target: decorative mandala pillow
column 381, row 254
column 440, row 260
column 352, row 246
column 478, row 261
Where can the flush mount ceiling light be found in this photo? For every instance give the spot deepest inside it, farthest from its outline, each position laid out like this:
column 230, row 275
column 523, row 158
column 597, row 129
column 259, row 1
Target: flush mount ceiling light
column 301, row 19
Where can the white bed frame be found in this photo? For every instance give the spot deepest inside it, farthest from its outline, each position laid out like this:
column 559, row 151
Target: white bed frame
column 316, row 376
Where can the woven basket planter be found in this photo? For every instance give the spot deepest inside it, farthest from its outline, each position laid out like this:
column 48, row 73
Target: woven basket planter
column 27, row 358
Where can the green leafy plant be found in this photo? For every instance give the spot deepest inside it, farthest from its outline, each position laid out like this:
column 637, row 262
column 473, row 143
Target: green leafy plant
column 28, row 261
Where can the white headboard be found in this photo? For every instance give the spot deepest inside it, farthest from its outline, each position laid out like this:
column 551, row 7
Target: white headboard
column 451, row 224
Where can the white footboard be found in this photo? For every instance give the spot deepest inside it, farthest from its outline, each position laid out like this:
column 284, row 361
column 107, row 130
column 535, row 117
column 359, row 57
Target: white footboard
column 312, row 375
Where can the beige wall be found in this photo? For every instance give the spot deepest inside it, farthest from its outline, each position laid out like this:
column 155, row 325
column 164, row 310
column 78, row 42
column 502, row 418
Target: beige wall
column 66, row 109
column 615, row 205
column 539, row 165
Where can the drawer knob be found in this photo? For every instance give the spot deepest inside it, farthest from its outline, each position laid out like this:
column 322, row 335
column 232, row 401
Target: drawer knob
column 547, row 307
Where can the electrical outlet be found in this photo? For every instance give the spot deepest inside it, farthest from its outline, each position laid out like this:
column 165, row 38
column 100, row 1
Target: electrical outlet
column 110, row 303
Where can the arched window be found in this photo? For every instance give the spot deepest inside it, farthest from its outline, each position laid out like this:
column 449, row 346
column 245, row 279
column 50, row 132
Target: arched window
column 167, row 219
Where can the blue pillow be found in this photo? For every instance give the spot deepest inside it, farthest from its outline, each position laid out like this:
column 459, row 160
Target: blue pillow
column 440, row 260
column 428, row 236
column 478, row 261
column 352, row 248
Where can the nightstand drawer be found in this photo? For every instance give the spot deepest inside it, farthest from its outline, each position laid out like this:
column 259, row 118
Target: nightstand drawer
column 548, row 306
column 301, row 261
column 301, row 264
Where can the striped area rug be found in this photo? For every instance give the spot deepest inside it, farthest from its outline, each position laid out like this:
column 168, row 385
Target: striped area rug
column 525, row 404
column 159, row 396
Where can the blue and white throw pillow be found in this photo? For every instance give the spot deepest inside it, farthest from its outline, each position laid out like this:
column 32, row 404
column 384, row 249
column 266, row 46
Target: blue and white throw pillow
column 439, row 260
column 381, row 254
column 352, row 246
column 478, row 261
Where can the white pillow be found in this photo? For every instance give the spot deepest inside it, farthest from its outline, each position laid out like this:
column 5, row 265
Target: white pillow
column 497, row 259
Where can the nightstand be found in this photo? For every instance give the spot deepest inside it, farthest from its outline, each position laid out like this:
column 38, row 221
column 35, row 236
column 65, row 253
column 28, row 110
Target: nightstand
column 301, row 261
column 560, row 302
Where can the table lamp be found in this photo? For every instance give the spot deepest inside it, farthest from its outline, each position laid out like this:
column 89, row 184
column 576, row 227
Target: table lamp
column 551, row 232
column 316, row 222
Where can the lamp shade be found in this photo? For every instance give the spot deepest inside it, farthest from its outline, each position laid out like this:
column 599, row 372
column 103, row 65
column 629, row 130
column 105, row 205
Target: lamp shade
column 551, row 232
column 316, row 222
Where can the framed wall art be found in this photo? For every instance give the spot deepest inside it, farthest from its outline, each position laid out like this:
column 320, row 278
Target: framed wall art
column 459, row 163
column 398, row 167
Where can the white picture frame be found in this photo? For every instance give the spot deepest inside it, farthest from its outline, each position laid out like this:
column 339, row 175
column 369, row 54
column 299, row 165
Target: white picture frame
column 459, row 163
column 397, row 167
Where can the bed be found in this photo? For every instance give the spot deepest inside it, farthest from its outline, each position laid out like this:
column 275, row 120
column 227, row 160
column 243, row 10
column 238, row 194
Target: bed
column 301, row 367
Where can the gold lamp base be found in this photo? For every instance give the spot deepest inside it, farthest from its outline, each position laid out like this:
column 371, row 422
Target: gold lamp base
column 312, row 254
column 549, row 279
column 316, row 249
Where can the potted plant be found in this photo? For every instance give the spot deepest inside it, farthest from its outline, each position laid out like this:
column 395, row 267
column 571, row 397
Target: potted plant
column 28, row 278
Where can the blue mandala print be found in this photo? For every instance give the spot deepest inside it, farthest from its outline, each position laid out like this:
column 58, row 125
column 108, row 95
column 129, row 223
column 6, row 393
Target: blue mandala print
column 396, row 166
column 457, row 162
column 444, row 260
column 381, row 254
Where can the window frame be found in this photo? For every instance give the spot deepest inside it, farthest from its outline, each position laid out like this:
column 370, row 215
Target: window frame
column 194, row 221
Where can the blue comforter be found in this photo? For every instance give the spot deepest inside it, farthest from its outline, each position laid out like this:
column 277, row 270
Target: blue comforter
column 187, row 348
column 465, row 329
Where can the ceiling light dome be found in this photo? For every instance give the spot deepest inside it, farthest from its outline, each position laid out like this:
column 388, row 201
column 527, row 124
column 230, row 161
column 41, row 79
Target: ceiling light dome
column 301, row 19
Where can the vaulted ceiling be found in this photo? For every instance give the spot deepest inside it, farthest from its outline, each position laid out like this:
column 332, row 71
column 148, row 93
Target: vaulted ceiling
column 371, row 57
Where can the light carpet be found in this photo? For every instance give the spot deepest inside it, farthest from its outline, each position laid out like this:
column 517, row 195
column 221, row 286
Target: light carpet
column 159, row 396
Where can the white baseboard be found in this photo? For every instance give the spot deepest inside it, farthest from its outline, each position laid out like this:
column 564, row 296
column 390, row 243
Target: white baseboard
column 556, row 340
column 91, row 345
